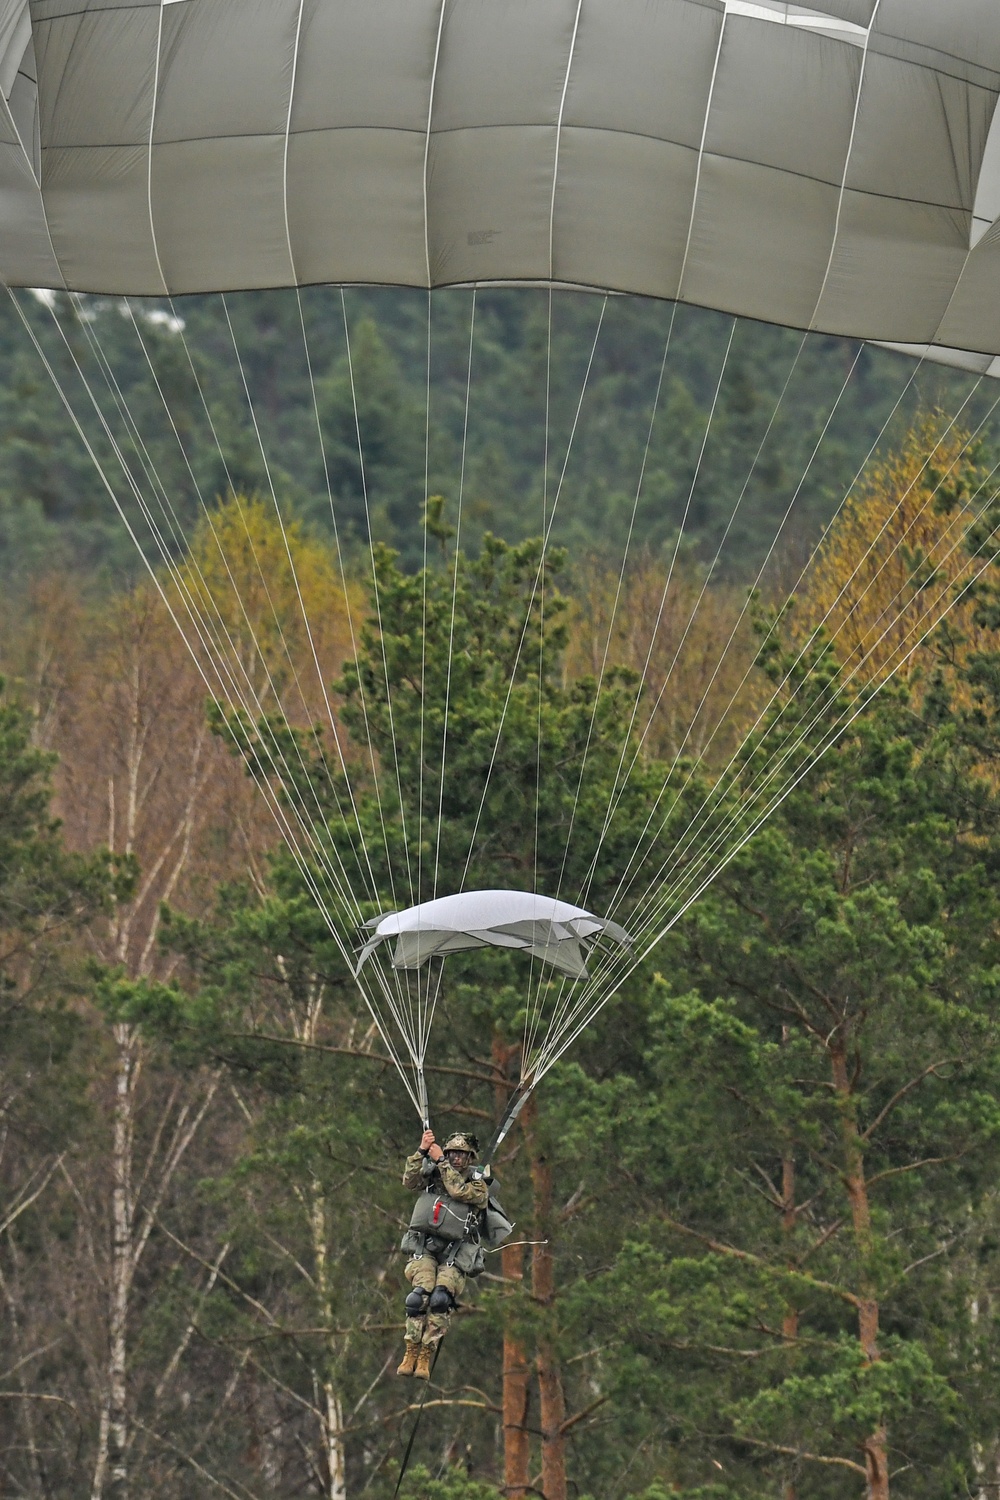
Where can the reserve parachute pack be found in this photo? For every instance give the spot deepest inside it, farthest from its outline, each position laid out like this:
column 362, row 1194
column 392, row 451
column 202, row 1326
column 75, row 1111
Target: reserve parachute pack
column 444, row 1218
column 436, row 1214
column 441, row 1219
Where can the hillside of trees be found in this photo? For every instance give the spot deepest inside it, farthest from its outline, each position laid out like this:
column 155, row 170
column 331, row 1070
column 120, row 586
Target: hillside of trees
column 757, row 1250
column 547, row 425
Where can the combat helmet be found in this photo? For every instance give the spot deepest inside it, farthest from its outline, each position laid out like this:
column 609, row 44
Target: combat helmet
column 463, row 1140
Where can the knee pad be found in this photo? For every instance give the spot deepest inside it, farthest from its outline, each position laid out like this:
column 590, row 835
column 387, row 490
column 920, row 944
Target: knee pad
column 416, row 1302
column 441, row 1301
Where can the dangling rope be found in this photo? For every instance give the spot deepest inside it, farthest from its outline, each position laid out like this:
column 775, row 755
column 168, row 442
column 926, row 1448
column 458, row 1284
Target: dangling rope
column 404, row 1465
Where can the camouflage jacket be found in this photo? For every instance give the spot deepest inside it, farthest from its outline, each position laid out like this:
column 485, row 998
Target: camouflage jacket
column 459, row 1185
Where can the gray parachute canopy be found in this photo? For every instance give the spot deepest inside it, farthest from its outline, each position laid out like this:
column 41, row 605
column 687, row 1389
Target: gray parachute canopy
column 555, row 932
column 835, row 167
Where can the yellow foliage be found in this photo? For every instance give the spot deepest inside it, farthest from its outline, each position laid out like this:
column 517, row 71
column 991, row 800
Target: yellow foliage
column 694, row 649
column 887, row 571
column 258, row 593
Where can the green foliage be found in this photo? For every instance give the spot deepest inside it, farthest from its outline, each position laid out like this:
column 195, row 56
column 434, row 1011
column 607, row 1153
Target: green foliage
column 773, row 1216
column 53, row 505
column 47, row 897
column 419, row 1485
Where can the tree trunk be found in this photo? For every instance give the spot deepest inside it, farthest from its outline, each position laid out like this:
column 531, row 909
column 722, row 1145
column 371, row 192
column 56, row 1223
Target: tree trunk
column 335, row 1456
column 552, row 1403
column 332, row 1421
column 874, row 1446
column 516, row 1392
column 790, row 1321
column 122, row 1261
column 789, row 1214
column 516, row 1368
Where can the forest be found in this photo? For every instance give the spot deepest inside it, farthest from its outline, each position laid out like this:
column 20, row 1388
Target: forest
column 757, row 1227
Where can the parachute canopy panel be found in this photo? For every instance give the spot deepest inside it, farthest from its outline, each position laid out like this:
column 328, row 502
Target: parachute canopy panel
column 828, row 166
column 554, row 932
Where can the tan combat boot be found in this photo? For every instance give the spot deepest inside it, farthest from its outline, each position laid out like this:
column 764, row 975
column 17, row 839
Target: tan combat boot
column 424, row 1357
column 410, row 1358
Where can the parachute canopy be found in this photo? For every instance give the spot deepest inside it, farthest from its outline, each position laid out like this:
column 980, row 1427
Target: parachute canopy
column 835, row 167
column 554, row 932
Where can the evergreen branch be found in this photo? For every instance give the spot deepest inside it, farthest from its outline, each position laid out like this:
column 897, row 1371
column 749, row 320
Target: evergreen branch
column 814, row 1458
column 574, row 1204
column 575, row 1359
column 797, row 1340
column 771, row 1197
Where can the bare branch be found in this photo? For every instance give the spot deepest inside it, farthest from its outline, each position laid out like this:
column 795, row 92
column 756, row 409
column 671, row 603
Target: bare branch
column 914, row 1166
column 828, row 1234
column 178, row 1147
column 942, row 1250
column 375, row 1057
column 813, row 1458
column 581, row 1416
column 901, row 1093
column 198, row 1468
column 755, row 1260
column 25, row 1203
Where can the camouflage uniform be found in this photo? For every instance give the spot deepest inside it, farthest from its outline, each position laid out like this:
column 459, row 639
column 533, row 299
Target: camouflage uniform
column 425, row 1270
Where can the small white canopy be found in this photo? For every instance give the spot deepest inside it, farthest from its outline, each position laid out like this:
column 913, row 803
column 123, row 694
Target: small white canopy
column 553, row 931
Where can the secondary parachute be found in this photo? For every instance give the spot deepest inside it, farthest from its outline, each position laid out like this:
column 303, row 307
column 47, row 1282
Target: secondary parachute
column 833, row 169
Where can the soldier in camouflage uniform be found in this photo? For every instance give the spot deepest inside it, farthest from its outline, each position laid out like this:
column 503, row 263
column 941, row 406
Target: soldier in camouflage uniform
column 435, row 1279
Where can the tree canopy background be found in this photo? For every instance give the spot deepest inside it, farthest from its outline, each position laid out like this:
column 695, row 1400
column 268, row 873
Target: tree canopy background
column 759, row 1196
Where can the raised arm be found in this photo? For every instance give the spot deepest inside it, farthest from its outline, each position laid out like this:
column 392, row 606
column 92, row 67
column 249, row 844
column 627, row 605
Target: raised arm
column 475, row 1192
column 414, row 1179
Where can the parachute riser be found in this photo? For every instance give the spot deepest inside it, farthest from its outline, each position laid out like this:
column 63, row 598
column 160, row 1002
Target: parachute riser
column 427, row 1019
column 514, row 1108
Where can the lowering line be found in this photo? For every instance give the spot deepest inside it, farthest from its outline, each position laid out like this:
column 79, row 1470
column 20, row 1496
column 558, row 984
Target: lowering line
column 416, row 1423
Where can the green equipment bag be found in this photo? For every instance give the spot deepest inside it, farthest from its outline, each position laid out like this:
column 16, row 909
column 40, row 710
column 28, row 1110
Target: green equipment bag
column 440, row 1216
column 469, row 1258
column 498, row 1227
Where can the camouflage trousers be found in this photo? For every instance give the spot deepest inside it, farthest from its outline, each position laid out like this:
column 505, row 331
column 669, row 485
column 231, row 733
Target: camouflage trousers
column 425, row 1272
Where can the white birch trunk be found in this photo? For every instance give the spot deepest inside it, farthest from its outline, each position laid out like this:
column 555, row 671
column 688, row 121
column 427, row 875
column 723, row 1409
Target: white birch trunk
column 335, row 1444
column 122, row 1261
